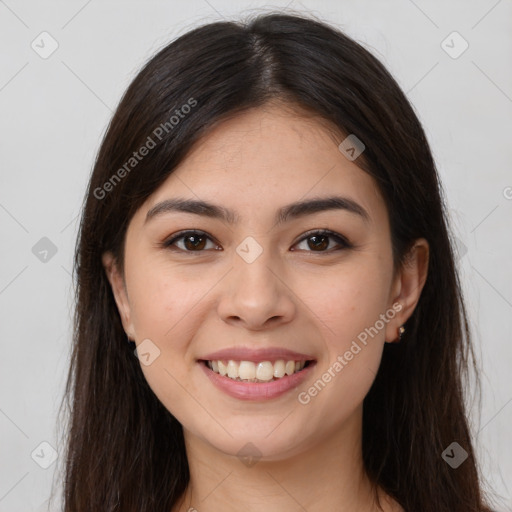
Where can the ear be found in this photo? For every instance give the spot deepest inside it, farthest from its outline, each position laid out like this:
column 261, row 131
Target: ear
column 118, row 286
column 407, row 286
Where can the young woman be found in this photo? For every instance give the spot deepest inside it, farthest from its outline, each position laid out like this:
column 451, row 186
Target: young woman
column 265, row 226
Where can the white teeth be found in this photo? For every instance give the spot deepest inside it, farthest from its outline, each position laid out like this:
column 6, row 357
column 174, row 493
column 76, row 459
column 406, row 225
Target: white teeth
column 247, row 370
column 263, row 371
column 232, row 370
column 223, row 370
column 290, row 367
column 279, row 369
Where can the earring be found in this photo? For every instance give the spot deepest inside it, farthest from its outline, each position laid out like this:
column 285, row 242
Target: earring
column 401, row 331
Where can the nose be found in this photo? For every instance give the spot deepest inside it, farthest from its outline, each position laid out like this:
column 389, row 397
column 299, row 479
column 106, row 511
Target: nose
column 257, row 295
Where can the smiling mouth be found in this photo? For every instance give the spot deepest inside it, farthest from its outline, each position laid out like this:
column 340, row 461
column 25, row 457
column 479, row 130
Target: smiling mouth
column 254, row 372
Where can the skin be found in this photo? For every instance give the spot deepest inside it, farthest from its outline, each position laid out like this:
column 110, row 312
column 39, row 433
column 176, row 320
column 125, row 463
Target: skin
column 189, row 304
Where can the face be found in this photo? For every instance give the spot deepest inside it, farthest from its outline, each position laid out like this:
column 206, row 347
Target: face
column 258, row 282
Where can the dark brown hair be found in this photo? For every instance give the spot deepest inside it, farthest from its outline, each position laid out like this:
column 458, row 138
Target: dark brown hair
column 125, row 451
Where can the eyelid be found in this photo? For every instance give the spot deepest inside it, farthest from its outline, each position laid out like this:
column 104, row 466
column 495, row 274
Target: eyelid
column 339, row 238
column 168, row 242
column 342, row 240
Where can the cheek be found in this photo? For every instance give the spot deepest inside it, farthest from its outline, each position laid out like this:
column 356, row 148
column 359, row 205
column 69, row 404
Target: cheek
column 350, row 306
column 354, row 336
column 166, row 310
column 161, row 300
column 350, row 301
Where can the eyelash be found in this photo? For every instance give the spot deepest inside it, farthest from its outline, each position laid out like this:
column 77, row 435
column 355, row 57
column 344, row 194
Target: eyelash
column 341, row 240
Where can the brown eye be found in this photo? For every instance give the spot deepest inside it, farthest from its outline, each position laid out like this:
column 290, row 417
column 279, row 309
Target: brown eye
column 320, row 241
column 190, row 241
column 193, row 242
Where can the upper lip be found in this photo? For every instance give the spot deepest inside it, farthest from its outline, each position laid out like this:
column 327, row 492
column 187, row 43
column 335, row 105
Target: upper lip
column 256, row 355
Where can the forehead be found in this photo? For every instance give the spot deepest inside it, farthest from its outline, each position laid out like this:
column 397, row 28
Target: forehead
column 266, row 157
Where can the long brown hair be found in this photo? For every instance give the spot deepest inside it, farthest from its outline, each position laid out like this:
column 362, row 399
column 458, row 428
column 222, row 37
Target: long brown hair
column 125, row 451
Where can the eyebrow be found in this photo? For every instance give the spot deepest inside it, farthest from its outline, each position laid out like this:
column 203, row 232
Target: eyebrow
column 284, row 214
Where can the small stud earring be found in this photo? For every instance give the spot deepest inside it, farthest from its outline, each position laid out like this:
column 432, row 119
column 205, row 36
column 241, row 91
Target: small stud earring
column 401, row 331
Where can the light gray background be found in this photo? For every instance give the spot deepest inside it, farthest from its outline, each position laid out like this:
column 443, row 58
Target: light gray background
column 55, row 110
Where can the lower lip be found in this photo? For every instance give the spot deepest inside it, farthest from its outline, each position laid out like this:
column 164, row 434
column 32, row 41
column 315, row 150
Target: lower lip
column 257, row 390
